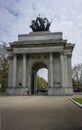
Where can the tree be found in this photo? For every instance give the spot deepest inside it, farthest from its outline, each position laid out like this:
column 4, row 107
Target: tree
column 77, row 74
column 3, row 67
column 4, row 74
column 41, row 83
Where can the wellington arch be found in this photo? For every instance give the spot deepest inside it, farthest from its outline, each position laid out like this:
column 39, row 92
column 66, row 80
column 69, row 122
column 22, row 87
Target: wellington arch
column 40, row 50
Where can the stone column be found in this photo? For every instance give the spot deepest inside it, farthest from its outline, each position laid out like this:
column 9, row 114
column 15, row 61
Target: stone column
column 69, row 71
column 24, row 70
column 66, row 70
column 14, row 70
column 50, row 73
column 9, row 74
column 62, row 69
column 35, row 81
column 10, row 68
column 29, row 77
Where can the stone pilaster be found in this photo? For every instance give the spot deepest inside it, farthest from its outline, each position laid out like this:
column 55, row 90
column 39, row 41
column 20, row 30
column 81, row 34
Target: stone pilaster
column 69, row 71
column 10, row 68
column 50, row 75
column 14, row 70
column 62, row 69
column 29, row 79
column 24, row 70
column 66, row 70
column 35, row 81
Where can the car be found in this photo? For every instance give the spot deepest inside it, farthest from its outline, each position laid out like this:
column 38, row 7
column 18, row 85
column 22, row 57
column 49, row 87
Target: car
column 76, row 89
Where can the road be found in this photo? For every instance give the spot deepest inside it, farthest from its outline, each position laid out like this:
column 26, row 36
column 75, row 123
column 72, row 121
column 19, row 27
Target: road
column 39, row 113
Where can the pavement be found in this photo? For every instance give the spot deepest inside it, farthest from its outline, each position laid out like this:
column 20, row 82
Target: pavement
column 39, row 113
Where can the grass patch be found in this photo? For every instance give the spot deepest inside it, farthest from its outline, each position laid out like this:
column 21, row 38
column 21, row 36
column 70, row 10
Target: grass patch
column 79, row 100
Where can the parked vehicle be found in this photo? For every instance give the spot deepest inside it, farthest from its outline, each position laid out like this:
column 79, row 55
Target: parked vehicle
column 76, row 89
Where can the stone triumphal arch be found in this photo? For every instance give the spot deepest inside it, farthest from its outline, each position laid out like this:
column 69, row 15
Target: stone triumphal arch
column 40, row 50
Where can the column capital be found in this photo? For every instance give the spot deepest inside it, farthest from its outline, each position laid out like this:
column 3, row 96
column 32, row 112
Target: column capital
column 69, row 56
column 10, row 56
column 51, row 53
column 62, row 54
column 51, row 57
column 14, row 54
column 24, row 54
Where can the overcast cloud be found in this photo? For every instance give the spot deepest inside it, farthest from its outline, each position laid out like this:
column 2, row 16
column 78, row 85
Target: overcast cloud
column 16, row 16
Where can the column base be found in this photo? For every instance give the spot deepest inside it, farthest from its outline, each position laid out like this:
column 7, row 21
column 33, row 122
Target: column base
column 51, row 91
column 17, row 91
column 68, row 91
column 60, row 91
column 56, row 91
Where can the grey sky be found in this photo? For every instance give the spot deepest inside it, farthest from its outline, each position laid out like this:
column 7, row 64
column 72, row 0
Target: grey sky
column 16, row 16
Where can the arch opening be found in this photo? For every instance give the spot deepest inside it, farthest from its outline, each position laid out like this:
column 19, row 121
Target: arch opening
column 39, row 79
